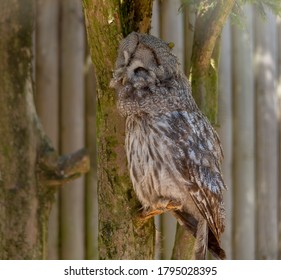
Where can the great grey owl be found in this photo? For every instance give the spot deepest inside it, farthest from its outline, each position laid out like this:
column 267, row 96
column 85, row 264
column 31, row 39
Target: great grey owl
column 173, row 153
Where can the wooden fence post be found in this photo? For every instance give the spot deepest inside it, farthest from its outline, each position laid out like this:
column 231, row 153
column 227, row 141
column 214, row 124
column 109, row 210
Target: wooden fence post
column 47, row 92
column 279, row 105
column 225, row 131
column 243, row 140
column 266, row 138
column 72, row 125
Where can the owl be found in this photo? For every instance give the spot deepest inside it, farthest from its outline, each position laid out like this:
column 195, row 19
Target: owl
column 174, row 154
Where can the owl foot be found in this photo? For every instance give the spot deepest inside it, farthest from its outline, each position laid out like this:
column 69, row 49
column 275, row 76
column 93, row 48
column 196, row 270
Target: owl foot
column 147, row 214
column 173, row 206
column 169, row 207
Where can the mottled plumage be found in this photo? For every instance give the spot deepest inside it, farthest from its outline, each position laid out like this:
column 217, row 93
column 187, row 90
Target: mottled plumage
column 174, row 154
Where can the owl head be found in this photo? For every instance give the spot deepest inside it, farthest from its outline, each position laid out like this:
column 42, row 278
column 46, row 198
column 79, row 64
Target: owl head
column 144, row 60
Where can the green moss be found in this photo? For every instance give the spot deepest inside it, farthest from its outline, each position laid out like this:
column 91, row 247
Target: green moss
column 126, row 13
column 19, row 42
column 6, row 151
column 111, row 143
column 105, row 236
column 205, row 91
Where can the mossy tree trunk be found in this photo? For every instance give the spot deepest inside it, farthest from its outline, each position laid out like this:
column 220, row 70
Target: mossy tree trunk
column 204, row 78
column 30, row 169
column 205, row 55
column 119, row 236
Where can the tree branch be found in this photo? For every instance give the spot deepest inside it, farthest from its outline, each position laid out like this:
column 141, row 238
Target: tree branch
column 207, row 29
column 183, row 248
column 209, row 24
column 55, row 170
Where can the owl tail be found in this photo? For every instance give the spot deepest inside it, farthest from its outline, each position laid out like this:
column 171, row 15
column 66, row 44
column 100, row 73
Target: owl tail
column 191, row 225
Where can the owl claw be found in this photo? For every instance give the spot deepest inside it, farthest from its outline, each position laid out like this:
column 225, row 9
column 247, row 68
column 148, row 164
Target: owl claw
column 145, row 215
column 174, row 206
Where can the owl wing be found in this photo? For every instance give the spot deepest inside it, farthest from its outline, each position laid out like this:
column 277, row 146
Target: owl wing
column 198, row 154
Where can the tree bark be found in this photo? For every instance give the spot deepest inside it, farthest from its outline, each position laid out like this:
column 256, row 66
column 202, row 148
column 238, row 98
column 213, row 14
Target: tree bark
column 91, row 177
column 184, row 243
column 119, row 235
column 189, row 26
column 30, row 169
column 208, row 28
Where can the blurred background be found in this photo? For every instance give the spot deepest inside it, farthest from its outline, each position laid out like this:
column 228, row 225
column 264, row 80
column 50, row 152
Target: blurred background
column 248, row 124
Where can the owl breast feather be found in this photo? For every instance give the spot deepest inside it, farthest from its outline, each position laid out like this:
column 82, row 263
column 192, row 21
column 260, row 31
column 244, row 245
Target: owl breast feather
column 169, row 153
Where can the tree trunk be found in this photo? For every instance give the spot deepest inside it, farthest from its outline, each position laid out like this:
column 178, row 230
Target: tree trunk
column 30, row 169
column 208, row 28
column 189, row 25
column 91, row 213
column 119, row 235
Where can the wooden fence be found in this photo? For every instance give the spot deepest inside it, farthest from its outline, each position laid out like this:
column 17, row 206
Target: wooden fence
column 248, row 124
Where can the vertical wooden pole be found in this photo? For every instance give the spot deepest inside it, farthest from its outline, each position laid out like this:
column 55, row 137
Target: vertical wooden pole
column 225, row 131
column 171, row 29
column 279, row 104
column 155, row 19
column 47, row 92
column 72, row 125
column 266, row 138
column 244, row 141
